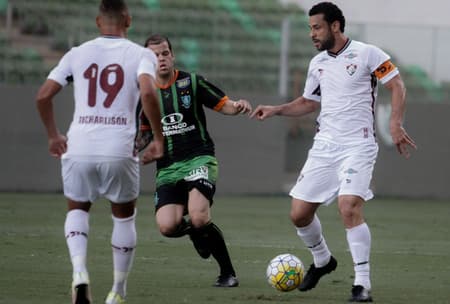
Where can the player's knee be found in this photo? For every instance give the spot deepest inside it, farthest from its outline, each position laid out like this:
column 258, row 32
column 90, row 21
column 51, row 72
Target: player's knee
column 300, row 219
column 199, row 217
column 167, row 230
column 351, row 216
column 350, row 210
column 176, row 230
column 346, row 212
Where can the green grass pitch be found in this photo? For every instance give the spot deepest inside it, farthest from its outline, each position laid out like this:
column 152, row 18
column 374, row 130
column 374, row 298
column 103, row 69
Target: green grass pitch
column 410, row 259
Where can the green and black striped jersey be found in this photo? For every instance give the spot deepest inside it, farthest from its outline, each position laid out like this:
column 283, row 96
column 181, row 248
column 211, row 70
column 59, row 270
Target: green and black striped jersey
column 183, row 117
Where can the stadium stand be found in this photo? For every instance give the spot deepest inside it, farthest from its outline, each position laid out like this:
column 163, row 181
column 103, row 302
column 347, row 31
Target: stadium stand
column 236, row 43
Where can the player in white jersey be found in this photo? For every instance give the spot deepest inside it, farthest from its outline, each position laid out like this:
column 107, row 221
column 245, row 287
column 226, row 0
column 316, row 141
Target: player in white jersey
column 342, row 82
column 110, row 74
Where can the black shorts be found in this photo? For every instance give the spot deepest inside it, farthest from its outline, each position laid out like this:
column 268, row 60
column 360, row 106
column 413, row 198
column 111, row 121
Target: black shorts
column 179, row 193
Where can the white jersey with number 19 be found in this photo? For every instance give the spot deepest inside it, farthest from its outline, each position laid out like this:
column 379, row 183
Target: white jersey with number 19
column 346, row 86
column 105, row 74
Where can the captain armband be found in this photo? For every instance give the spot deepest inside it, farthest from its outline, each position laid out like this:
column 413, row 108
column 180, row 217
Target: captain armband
column 384, row 69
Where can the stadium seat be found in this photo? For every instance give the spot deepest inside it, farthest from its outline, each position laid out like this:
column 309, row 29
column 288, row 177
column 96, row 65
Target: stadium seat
column 230, row 41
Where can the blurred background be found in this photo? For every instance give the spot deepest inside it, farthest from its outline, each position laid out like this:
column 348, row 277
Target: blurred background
column 253, row 49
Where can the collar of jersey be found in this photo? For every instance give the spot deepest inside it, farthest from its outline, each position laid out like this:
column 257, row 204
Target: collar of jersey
column 175, row 76
column 111, row 37
column 347, row 43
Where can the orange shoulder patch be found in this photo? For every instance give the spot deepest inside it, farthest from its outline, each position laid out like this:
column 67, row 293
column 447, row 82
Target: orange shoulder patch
column 384, row 69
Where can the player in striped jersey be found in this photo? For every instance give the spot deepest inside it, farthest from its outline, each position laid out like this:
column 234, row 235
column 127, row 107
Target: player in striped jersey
column 342, row 81
column 187, row 173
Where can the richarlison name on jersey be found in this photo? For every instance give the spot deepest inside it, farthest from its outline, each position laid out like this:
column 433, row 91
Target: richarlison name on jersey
column 102, row 120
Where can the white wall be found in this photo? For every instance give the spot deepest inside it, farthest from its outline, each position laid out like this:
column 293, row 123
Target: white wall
column 414, row 32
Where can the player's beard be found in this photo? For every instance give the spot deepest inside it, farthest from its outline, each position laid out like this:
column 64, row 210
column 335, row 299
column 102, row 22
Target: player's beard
column 328, row 43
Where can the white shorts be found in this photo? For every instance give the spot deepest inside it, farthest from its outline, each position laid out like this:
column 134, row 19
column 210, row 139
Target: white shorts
column 333, row 170
column 87, row 178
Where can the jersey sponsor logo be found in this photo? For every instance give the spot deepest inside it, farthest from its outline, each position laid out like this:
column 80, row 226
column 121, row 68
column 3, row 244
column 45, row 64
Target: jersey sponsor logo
column 384, row 69
column 198, row 173
column 181, row 128
column 351, row 69
column 183, row 83
column 351, row 55
column 173, row 124
column 186, row 101
column 172, row 119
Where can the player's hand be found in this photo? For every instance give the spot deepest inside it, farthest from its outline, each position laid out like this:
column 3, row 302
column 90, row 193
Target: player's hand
column 242, row 106
column 154, row 151
column 57, row 145
column 402, row 141
column 143, row 139
column 262, row 112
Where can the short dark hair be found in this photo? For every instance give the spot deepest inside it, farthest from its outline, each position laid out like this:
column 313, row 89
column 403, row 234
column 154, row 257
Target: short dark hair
column 116, row 9
column 157, row 39
column 331, row 13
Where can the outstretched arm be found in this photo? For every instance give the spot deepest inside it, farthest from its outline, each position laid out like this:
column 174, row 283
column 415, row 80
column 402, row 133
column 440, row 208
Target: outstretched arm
column 232, row 107
column 57, row 143
column 398, row 101
column 298, row 107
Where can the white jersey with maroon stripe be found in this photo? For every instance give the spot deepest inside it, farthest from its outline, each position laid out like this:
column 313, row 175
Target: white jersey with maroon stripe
column 105, row 74
column 346, row 86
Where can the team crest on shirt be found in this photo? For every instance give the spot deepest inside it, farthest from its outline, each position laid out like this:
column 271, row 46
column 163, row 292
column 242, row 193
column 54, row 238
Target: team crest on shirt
column 186, row 101
column 183, row 83
column 351, row 69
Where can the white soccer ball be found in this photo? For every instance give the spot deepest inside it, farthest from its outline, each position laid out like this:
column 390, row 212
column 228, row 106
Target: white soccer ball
column 285, row 272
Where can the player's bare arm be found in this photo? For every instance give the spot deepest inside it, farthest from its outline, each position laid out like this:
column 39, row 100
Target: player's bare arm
column 151, row 109
column 57, row 143
column 399, row 136
column 298, row 107
column 232, row 107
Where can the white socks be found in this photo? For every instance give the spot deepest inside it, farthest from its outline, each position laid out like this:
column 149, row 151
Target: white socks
column 359, row 241
column 76, row 230
column 123, row 242
column 314, row 240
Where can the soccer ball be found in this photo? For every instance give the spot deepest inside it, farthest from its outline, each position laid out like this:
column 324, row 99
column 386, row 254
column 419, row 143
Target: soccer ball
column 285, row 272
